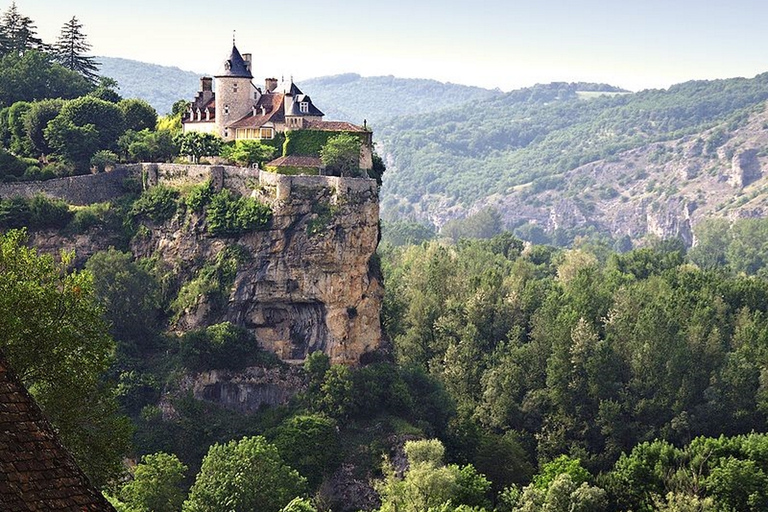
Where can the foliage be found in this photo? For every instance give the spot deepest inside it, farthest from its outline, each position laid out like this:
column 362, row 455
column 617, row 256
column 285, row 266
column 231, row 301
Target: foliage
column 103, row 160
column 33, row 76
column 158, row 203
column 156, row 484
column 212, row 283
column 18, row 33
column 196, row 144
column 305, row 142
column 248, row 152
column 242, row 476
column 484, row 224
column 219, row 346
column 84, row 126
column 138, row 115
column 232, row 215
column 53, row 335
column 429, row 483
column 147, row 146
column 401, row 233
column 341, row 155
column 36, row 120
column 130, row 296
column 311, row 445
column 37, row 213
column 71, row 48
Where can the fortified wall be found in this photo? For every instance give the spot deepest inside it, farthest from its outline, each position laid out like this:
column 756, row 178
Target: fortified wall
column 98, row 188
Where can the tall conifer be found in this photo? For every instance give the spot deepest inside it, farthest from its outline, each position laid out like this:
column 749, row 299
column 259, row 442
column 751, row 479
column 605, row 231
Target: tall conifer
column 18, row 33
column 70, row 50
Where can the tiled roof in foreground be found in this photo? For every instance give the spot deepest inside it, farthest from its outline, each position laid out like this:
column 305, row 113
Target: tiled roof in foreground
column 36, row 472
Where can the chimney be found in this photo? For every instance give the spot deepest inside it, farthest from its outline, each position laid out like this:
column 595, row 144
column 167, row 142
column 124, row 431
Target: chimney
column 247, row 59
column 270, row 84
column 206, row 84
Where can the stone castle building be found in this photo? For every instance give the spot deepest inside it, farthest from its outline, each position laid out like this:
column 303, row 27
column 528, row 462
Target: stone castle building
column 231, row 106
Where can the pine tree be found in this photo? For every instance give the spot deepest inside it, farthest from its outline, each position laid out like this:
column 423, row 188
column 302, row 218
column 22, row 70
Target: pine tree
column 18, row 33
column 70, row 51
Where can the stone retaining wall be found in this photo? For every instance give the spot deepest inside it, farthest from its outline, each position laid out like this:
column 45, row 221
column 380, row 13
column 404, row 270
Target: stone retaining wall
column 97, row 188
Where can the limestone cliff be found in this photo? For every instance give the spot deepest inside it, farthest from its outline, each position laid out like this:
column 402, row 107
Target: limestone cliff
column 308, row 282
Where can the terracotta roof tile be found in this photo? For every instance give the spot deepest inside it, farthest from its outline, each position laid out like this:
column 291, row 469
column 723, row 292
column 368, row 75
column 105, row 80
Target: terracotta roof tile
column 334, row 126
column 273, row 112
column 36, row 471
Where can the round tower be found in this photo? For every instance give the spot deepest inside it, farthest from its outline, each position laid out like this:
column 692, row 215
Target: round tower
column 234, row 92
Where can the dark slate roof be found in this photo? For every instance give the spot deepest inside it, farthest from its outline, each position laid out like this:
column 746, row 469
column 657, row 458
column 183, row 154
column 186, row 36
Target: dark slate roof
column 296, row 161
column 234, row 66
column 295, row 109
column 273, row 112
column 36, row 471
column 294, row 91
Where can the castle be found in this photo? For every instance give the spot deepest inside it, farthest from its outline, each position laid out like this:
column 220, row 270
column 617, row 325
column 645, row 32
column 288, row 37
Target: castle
column 233, row 108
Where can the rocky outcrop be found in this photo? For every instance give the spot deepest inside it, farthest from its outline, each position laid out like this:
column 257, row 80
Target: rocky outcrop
column 745, row 168
column 245, row 391
column 309, row 282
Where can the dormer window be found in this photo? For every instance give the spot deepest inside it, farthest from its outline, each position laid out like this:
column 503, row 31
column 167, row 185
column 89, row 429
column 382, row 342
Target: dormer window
column 304, row 107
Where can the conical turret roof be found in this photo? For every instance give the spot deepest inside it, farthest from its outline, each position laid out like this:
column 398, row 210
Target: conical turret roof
column 234, row 66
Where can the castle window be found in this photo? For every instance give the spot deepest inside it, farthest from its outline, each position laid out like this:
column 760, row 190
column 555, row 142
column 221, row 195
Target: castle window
column 304, row 107
column 266, row 133
column 234, row 87
column 226, row 110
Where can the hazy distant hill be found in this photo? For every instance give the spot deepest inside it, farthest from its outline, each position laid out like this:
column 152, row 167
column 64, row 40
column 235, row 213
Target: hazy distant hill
column 348, row 97
column 354, row 98
column 160, row 86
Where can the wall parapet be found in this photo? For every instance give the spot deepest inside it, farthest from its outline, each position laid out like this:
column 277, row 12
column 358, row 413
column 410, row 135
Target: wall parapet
column 97, row 188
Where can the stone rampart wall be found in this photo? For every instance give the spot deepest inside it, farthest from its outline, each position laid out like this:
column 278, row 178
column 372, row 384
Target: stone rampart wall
column 97, row 188
column 77, row 190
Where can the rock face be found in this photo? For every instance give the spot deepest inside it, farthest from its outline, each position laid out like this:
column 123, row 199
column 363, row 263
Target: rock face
column 246, row 391
column 308, row 282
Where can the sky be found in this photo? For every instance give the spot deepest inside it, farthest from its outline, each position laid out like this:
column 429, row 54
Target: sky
column 489, row 43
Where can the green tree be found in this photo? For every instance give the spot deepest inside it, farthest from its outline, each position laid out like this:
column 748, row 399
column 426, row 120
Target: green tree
column 311, row 445
column 196, row 145
column 18, row 33
column 84, row 126
column 156, row 484
column 53, row 334
column 341, row 155
column 33, row 76
column 36, row 120
column 248, row 152
column 130, row 295
column 71, row 48
column 242, row 476
column 138, row 115
column 429, row 483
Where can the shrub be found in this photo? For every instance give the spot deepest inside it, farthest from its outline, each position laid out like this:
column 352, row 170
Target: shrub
column 218, row 346
column 157, row 203
column 231, row 215
column 40, row 212
column 103, row 159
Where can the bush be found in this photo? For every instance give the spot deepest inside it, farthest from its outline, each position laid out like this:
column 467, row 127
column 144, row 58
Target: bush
column 157, row 203
column 220, row 346
column 40, row 212
column 103, row 159
column 231, row 215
